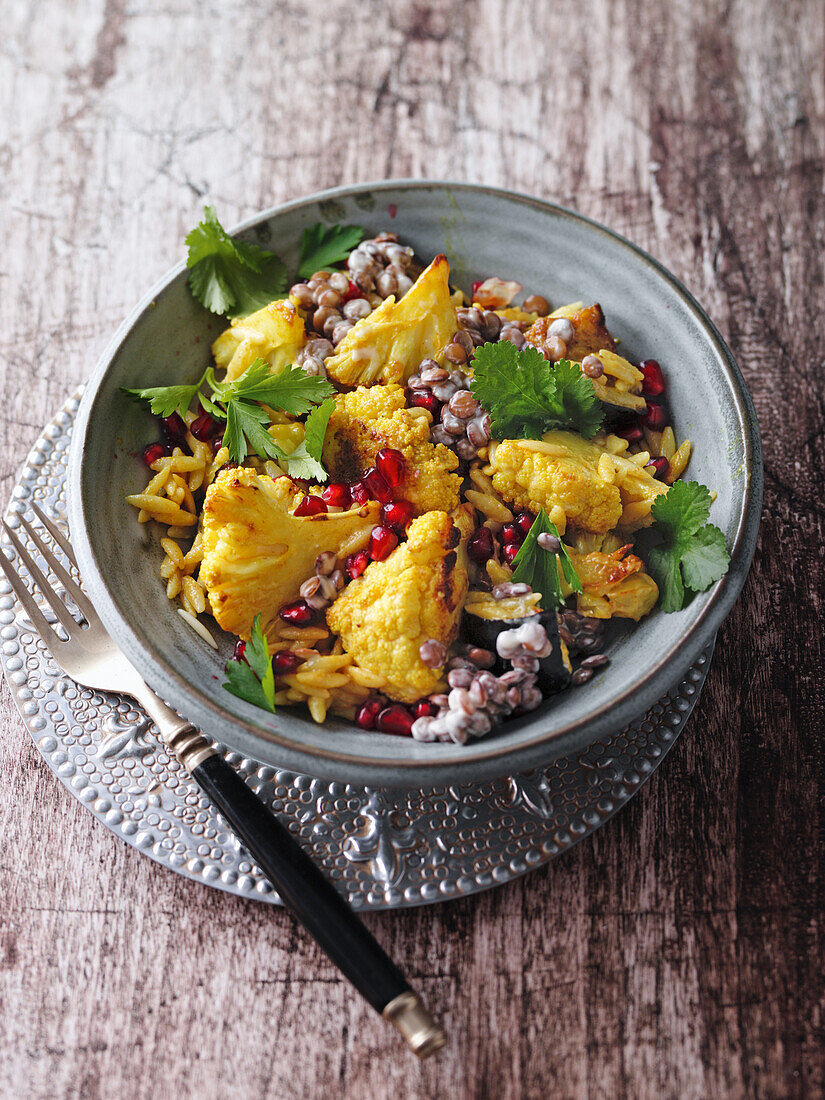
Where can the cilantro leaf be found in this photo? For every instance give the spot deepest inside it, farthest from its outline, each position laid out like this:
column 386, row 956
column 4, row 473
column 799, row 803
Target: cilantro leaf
column 526, row 395
column 323, row 248
column 293, row 390
column 692, row 555
column 245, row 431
column 705, row 559
column 228, row 276
column 165, row 400
column 663, row 563
column 305, row 460
column 253, row 678
column 539, row 568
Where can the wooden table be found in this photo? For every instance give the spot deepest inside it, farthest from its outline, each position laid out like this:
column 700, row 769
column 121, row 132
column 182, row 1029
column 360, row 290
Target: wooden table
column 678, row 953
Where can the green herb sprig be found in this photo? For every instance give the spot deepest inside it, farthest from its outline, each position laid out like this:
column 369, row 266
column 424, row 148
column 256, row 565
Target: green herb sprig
column 539, row 568
column 253, row 678
column 692, row 554
column 527, row 396
column 239, row 403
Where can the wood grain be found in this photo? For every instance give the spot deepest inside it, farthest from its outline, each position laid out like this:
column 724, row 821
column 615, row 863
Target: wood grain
column 679, row 952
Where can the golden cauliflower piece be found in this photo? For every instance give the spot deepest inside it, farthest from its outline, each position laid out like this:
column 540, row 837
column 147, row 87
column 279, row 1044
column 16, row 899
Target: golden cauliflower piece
column 373, row 417
column 614, row 584
column 274, row 333
column 569, row 477
column 257, row 554
column 385, row 615
column 389, row 344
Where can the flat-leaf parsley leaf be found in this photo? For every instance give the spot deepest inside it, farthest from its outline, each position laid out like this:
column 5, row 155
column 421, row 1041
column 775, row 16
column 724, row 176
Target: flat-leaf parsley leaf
column 323, row 248
column 539, row 568
column 527, row 396
column 252, row 677
column 692, row 555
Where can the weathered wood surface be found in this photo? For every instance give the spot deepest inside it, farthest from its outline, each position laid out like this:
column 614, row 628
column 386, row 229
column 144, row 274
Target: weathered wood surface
column 678, row 953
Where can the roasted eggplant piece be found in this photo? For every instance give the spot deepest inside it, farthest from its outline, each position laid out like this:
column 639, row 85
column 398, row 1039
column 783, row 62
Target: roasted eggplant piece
column 486, row 618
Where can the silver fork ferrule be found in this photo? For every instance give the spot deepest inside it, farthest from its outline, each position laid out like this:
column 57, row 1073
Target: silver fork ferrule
column 189, row 746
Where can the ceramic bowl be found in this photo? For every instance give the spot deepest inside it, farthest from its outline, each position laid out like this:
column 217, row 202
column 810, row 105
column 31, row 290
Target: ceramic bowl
column 483, row 231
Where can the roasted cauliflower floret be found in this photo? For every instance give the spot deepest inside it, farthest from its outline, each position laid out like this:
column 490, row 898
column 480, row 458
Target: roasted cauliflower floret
column 418, row 593
column 257, row 554
column 274, row 333
column 374, row 417
column 569, row 477
column 597, row 490
column 389, row 344
column 614, row 584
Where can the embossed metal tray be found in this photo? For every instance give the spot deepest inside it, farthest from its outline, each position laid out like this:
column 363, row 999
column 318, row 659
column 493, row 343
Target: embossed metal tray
column 384, row 848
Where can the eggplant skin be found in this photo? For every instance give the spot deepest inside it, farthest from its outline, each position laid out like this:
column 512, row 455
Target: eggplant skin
column 554, row 672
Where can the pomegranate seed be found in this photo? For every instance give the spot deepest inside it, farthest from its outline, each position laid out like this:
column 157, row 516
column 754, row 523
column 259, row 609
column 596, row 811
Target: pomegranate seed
column 423, row 399
column 525, row 521
column 476, row 285
column 353, row 291
column 632, row 434
column 382, row 543
column 153, row 451
column 365, row 718
column 203, row 427
column 510, row 533
column 395, row 719
column 391, row 465
column 376, row 486
column 509, row 552
column 311, row 506
column 480, row 547
column 359, row 492
column 396, row 516
column 336, row 495
column 298, row 613
column 655, row 418
column 239, row 651
column 173, row 428
column 284, row 662
column 217, row 443
column 425, row 709
column 355, row 564
column 658, row 467
column 654, row 381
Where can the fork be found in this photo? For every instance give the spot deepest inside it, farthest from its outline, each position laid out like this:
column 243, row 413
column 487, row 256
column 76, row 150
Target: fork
column 88, row 654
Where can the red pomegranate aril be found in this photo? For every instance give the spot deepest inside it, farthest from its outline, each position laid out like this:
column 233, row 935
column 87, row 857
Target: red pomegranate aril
column 353, row 291
column 391, row 465
column 658, row 467
column 203, row 427
column 298, row 613
column 173, row 428
column 337, row 495
column 285, row 662
column 655, row 418
column 382, row 543
column 217, row 443
column 239, row 651
column 632, row 434
column 525, row 521
column 376, row 485
column 152, row 452
column 509, row 552
column 510, row 533
column 360, row 493
column 424, row 709
column 311, row 505
column 397, row 516
column 653, row 383
column 395, row 719
column 355, row 564
column 365, row 718
column 480, row 546
column 423, row 399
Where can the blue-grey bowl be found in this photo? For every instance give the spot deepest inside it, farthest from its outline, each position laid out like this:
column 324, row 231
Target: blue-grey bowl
column 483, row 231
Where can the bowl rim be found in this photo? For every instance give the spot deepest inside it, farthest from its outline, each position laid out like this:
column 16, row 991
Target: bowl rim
column 498, row 756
